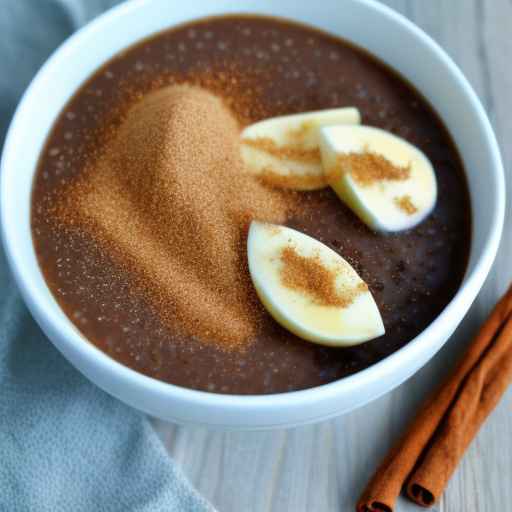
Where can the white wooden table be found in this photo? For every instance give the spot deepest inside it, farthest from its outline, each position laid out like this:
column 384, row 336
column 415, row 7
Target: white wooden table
column 323, row 468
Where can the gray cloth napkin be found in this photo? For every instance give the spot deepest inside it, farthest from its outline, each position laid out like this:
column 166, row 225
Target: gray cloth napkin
column 65, row 445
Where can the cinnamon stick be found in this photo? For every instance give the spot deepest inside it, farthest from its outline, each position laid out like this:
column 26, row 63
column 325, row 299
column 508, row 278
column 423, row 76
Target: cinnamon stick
column 480, row 394
column 447, row 422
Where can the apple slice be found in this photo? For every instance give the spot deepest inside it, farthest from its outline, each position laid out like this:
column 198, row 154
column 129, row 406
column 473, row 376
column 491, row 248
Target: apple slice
column 283, row 150
column 310, row 289
column 389, row 183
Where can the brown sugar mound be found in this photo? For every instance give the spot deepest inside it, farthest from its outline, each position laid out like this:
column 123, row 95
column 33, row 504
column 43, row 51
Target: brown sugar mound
column 307, row 274
column 171, row 203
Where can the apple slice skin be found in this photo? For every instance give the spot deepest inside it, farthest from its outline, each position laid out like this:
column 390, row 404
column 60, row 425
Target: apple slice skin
column 374, row 204
column 325, row 325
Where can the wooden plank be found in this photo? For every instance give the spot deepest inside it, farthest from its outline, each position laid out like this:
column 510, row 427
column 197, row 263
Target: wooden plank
column 324, row 467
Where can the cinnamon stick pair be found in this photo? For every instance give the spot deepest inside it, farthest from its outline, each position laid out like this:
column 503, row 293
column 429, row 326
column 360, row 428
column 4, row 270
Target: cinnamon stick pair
column 427, row 455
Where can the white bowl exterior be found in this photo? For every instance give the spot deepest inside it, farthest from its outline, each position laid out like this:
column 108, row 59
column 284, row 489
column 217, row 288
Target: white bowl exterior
column 368, row 24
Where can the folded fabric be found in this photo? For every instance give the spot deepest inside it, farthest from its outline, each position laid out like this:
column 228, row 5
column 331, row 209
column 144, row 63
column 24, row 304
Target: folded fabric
column 64, row 444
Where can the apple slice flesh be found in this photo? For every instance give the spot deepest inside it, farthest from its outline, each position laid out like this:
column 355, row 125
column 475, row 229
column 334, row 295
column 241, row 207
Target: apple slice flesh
column 397, row 193
column 284, row 150
column 341, row 312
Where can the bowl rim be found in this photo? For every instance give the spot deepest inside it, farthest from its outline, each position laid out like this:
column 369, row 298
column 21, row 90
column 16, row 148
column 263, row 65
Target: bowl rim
column 60, row 323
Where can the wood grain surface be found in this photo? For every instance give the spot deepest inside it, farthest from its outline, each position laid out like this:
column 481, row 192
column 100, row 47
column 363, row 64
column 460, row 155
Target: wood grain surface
column 325, row 467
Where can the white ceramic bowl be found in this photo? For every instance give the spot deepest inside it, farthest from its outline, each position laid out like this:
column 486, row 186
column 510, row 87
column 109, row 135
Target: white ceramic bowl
column 368, row 24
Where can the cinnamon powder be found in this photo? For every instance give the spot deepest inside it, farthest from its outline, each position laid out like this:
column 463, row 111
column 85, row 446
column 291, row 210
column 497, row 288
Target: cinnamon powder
column 294, row 152
column 406, row 205
column 291, row 181
column 285, row 152
column 170, row 202
column 309, row 275
column 368, row 168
